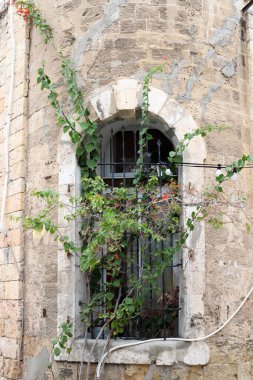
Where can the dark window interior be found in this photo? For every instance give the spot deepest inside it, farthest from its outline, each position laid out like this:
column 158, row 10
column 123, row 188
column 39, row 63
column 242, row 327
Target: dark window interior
column 125, row 149
column 158, row 317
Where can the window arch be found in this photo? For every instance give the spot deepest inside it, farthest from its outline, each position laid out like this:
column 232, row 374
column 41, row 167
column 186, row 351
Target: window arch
column 122, row 99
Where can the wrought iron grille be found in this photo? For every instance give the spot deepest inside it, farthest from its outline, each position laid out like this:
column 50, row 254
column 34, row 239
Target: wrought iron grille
column 159, row 312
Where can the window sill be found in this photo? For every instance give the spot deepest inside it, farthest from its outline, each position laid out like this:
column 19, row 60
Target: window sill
column 160, row 353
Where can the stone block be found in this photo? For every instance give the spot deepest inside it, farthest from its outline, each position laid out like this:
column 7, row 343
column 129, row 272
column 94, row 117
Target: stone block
column 125, row 43
column 19, row 107
column 2, row 333
column 158, row 26
column 15, row 203
column 11, row 255
column 13, row 328
column 157, row 99
column 9, row 348
column 198, row 354
column 13, row 290
column 17, row 126
column 245, row 371
column 104, row 103
column 1, row 365
column 16, row 187
column 220, row 371
column 135, row 372
column 1, row 290
column 17, row 171
column 10, row 272
column 3, row 241
column 17, row 139
column 172, row 113
column 125, row 92
column 10, row 369
column 15, row 237
column 67, row 372
column 132, row 26
column 127, row 11
column 2, row 101
column 146, row 11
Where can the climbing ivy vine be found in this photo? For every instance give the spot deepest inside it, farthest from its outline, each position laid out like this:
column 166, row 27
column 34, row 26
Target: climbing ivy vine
column 112, row 218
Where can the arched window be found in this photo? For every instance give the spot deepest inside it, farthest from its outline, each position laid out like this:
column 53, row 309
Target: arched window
column 118, row 158
column 121, row 99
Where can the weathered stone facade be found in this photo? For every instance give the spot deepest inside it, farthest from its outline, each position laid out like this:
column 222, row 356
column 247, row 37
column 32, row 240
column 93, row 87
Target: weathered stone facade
column 208, row 78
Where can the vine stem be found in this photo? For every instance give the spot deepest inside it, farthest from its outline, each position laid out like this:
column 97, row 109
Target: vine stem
column 84, row 347
column 106, row 346
column 99, row 335
column 93, row 348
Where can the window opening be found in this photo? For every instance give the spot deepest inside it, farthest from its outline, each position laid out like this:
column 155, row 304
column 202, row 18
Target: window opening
column 159, row 311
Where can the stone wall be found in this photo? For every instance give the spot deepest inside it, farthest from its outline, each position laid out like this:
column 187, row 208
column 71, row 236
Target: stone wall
column 209, row 51
column 12, row 237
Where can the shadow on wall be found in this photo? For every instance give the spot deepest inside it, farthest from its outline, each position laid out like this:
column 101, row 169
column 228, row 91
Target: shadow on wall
column 36, row 367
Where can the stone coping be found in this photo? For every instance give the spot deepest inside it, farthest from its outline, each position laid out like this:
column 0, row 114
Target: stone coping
column 160, row 352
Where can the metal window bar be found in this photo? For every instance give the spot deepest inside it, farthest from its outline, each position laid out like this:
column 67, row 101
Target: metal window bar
column 123, row 158
column 112, row 158
column 157, row 312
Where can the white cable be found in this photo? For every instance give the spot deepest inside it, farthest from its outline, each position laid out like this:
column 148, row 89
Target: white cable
column 98, row 371
column 8, row 122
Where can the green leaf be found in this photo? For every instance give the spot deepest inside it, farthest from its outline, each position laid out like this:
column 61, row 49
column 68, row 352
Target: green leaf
column 220, row 178
column 90, row 147
column 245, row 158
column 80, row 151
column 38, row 226
column 64, row 339
column 190, row 224
column 219, row 189
column 57, row 351
column 116, row 283
column 109, row 296
column 75, row 137
column 92, row 164
column 129, row 301
column 84, row 125
column 131, row 308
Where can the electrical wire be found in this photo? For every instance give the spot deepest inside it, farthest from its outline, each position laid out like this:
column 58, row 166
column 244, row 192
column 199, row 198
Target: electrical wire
column 8, row 122
column 102, row 360
column 247, row 7
column 190, row 164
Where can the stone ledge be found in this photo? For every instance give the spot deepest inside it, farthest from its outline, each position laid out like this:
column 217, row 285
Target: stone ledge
column 161, row 353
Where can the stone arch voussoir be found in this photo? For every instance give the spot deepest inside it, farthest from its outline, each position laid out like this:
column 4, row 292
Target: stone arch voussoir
column 124, row 98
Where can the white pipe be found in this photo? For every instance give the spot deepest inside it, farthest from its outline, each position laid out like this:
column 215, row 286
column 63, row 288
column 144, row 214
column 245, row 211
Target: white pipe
column 102, row 360
column 8, row 122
